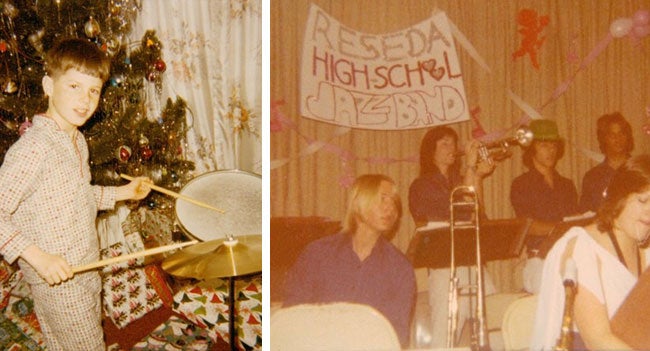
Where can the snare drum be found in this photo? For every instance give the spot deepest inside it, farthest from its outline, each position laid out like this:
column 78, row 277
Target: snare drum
column 237, row 193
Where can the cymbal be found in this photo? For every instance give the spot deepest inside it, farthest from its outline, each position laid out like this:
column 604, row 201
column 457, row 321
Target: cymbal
column 219, row 258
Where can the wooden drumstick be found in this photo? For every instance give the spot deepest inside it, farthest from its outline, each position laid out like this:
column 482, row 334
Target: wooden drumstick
column 118, row 259
column 176, row 195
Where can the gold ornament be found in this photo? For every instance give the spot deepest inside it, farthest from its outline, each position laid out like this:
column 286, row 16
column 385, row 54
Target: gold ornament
column 10, row 87
column 91, row 28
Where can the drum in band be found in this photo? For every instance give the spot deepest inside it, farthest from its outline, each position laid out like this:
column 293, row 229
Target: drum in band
column 237, row 193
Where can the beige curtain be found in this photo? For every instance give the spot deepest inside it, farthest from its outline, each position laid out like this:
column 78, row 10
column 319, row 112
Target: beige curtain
column 213, row 51
column 616, row 80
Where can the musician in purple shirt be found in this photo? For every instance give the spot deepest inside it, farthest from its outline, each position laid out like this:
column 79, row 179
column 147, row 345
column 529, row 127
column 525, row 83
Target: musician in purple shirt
column 616, row 143
column 359, row 264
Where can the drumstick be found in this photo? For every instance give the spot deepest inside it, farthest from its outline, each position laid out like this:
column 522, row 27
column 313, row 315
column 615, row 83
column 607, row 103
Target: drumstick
column 118, row 259
column 176, row 195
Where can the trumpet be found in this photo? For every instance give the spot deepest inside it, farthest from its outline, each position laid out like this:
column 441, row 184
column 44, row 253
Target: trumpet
column 500, row 149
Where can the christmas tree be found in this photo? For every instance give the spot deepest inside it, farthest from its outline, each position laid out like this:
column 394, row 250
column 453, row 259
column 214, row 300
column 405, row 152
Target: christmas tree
column 124, row 136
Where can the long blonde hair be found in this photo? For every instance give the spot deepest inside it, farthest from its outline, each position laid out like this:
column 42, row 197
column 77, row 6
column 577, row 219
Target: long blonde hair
column 364, row 192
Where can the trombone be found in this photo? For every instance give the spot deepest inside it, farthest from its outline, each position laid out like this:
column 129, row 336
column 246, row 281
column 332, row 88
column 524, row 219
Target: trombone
column 466, row 198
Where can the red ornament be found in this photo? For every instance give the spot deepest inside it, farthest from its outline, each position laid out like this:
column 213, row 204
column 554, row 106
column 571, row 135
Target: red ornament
column 160, row 65
column 123, row 153
column 146, row 153
column 3, row 46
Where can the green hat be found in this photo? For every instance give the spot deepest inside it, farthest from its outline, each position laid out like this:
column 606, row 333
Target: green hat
column 544, row 130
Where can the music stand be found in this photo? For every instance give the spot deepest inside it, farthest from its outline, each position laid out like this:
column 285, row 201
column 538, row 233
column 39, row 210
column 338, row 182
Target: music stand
column 500, row 239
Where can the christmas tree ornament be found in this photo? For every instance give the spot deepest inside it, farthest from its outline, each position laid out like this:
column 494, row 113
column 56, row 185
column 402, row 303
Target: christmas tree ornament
column 160, row 65
column 10, row 87
column 35, row 40
column 3, row 46
column 123, row 153
column 115, row 8
column 146, row 153
column 9, row 9
column 116, row 80
column 91, row 28
column 143, row 141
column 112, row 45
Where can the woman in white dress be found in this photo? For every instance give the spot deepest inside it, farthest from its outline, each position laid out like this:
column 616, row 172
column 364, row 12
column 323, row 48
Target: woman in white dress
column 609, row 256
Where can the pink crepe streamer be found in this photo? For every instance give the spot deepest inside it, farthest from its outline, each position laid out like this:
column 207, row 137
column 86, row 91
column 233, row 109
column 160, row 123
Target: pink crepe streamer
column 278, row 119
column 342, row 153
column 477, row 131
column 276, row 125
column 276, row 116
column 564, row 86
column 413, row 158
column 347, row 179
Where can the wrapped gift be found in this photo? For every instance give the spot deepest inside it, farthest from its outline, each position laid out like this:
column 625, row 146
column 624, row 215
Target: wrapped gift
column 206, row 305
column 158, row 279
column 128, row 293
column 10, row 277
column 175, row 334
column 19, row 328
column 130, row 288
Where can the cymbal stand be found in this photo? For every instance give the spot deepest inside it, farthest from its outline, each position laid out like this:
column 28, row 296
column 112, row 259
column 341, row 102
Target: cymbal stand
column 231, row 311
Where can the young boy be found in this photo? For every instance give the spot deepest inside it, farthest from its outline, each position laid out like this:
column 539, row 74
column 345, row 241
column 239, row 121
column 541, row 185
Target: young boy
column 48, row 206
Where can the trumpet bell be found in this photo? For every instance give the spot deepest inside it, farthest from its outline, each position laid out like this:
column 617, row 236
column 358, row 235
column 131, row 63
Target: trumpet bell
column 524, row 136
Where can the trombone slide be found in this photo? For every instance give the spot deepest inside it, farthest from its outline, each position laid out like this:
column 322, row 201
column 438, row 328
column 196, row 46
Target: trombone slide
column 467, row 198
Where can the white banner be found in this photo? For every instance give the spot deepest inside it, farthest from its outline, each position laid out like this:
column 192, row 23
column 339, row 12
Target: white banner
column 402, row 80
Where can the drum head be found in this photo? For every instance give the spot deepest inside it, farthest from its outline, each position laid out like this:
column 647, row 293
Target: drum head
column 237, row 193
